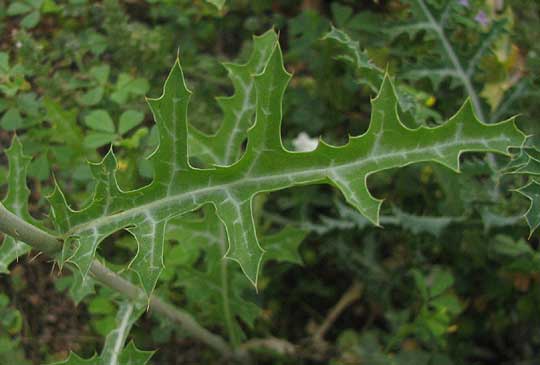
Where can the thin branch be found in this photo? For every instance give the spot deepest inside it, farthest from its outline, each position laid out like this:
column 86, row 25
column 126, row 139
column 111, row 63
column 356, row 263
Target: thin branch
column 14, row 226
column 17, row 228
column 350, row 296
column 274, row 344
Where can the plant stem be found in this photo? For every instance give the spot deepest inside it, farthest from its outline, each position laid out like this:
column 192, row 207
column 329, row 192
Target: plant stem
column 351, row 295
column 465, row 79
column 108, row 277
column 235, row 341
column 14, row 226
column 17, row 228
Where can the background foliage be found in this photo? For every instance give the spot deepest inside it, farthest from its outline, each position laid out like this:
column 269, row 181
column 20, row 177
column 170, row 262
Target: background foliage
column 451, row 279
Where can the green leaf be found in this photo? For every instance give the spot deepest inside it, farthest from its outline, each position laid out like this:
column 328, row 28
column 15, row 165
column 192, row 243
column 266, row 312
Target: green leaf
column 11, row 120
column 15, row 201
column 98, row 139
column 219, row 285
column 129, row 120
column 128, row 313
column 100, row 73
column 100, row 120
column 506, row 246
column 424, row 224
column 49, row 6
column 350, row 218
column 92, row 96
column 369, row 73
column 39, row 168
column 283, row 246
column 114, row 352
column 64, row 124
column 74, row 359
column 178, row 188
column 219, row 4
column 216, row 283
column 4, row 62
column 31, row 20
column 527, row 162
column 134, row 141
column 440, row 280
column 100, row 305
column 127, row 87
column 341, row 13
column 81, row 286
column 421, row 283
column 224, row 147
column 18, row 8
column 36, row 4
column 446, row 62
column 532, row 192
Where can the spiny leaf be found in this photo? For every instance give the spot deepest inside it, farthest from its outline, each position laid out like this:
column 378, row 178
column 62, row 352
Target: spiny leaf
column 460, row 66
column 16, row 201
column 372, row 76
column 114, row 352
column 224, row 147
column 74, row 359
column 283, row 246
column 369, row 73
column 350, row 218
column 492, row 220
column 527, row 162
column 178, row 188
column 532, row 192
column 217, row 284
column 424, row 224
column 81, row 286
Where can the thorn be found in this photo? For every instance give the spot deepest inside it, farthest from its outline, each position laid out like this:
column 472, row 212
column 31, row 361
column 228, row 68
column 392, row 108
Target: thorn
column 32, row 259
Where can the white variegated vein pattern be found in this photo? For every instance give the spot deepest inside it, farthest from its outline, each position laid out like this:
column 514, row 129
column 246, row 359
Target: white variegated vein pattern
column 114, row 352
column 128, row 313
column 264, row 166
column 16, row 201
column 434, row 20
column 527, row 163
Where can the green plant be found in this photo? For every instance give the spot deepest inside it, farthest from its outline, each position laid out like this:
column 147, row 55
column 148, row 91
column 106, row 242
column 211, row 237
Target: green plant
column 10, row 326
column 31, row 10
column 228, row 182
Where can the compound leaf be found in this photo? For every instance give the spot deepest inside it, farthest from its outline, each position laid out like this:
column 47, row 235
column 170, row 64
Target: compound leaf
column 265, row 166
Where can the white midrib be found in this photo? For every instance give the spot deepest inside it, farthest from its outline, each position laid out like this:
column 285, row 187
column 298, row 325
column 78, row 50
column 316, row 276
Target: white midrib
column 14, row 249
column 16, row 208
column 239, row 116
column 247, row 89
column 290, row 176
column 121, row 333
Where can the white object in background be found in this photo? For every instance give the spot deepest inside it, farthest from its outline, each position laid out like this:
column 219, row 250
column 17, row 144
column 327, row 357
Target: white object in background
column 304, row 143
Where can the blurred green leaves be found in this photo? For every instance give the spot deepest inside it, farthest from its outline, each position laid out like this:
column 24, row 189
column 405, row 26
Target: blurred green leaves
column 105, row 131
column 11, row 324
column 72, row 82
